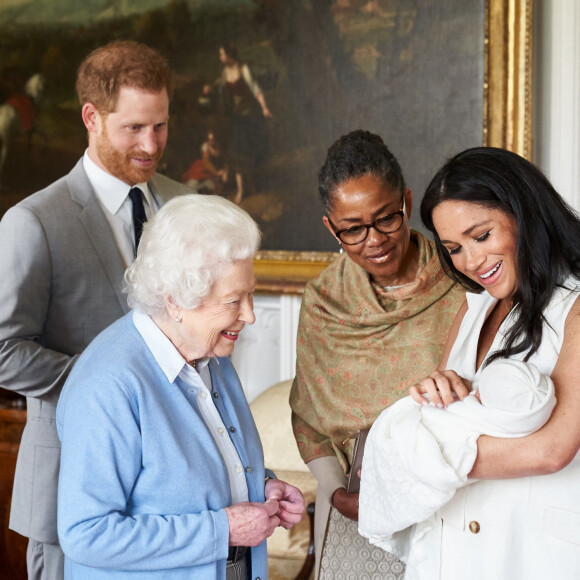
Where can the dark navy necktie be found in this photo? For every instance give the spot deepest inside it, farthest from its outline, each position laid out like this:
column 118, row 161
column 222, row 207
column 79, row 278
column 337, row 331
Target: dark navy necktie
column 139, row 217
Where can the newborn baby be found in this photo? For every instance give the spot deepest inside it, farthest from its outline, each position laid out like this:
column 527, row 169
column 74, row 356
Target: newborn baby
column 511, row 385
column 416, row 457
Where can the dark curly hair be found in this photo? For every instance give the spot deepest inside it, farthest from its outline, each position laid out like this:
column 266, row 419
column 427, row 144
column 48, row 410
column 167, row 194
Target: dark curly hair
column 354, row 155
column 548, row 231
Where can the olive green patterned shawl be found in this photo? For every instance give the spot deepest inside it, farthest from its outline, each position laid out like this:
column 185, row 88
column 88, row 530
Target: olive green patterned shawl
column 360, row 348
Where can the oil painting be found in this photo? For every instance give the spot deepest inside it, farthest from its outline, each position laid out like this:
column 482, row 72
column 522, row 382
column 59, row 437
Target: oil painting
column 262, row 89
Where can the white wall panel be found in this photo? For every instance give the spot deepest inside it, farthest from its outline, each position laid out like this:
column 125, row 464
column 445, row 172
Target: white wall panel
column 265, row 353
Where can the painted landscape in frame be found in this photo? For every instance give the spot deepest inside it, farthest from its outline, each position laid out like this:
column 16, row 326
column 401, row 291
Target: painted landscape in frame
column 421, row 73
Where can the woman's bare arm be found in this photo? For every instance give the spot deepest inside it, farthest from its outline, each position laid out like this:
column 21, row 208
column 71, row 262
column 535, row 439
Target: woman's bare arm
column 453, row 331
column 556, row 444
column 546, row 451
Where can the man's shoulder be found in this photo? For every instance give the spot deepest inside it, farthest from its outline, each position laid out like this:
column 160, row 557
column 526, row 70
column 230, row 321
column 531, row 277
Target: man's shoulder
column 166, row 187
column 46, row 196
column 58, row 192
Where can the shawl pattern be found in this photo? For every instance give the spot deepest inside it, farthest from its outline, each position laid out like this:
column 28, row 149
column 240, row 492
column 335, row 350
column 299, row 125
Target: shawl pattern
column 360, row 347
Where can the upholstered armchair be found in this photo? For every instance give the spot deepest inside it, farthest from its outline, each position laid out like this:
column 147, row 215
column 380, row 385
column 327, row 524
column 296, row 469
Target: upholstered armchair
column 290, row 552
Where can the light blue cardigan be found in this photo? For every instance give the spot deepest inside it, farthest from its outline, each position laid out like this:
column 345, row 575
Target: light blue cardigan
column 142, row 483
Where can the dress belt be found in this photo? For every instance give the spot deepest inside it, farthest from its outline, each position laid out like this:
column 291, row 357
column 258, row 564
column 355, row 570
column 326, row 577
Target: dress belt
column 237, row 553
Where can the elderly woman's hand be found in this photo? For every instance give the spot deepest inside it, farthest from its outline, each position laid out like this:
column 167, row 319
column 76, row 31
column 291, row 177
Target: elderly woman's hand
column 346, row 503
column 251, row 523
column 290, row 500
column 443, row 388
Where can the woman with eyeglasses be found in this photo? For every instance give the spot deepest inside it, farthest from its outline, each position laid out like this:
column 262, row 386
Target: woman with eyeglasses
column 371, row 325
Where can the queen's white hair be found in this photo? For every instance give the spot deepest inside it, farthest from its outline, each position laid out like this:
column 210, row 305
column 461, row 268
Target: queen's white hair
column 184, row 249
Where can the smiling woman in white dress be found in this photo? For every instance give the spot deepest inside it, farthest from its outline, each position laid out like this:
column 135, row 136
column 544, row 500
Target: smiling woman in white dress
column 502, row 229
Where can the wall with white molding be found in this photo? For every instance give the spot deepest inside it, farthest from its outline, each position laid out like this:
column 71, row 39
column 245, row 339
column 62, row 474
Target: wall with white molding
column 265, row 352
column 556, row 122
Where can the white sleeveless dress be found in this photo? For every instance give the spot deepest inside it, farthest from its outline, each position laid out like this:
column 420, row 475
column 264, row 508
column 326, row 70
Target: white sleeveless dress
column 514, row 529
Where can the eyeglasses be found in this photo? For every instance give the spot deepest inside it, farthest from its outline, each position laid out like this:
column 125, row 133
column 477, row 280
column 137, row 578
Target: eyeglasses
column 387, row 224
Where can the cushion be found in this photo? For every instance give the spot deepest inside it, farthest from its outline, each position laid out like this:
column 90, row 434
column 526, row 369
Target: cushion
column 272, row 414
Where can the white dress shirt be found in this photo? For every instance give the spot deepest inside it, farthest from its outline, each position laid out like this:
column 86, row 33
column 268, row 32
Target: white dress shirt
column 113, row 197
column 174, row 365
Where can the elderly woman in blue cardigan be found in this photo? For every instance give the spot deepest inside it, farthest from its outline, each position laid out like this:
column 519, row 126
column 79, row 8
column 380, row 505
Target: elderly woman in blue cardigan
column 162, row 472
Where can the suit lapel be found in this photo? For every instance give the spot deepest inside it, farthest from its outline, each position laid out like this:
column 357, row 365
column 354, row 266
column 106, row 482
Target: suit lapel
column 98, row 230
column 154, row 188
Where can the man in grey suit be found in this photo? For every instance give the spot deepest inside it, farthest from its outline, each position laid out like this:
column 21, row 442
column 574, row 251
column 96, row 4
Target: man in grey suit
column 63, row 252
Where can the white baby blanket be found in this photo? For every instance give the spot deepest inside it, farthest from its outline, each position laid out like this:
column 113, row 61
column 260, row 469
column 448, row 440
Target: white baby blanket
column 416, row 456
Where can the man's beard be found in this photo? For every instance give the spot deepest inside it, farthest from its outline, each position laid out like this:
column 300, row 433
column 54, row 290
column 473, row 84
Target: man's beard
column 119, row 164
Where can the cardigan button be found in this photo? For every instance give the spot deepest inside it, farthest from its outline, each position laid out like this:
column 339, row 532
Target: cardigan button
column 474, row 527
column 248, row 469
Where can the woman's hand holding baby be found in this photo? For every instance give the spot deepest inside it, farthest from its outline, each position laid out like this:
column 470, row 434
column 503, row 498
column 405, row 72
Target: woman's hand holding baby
column 442, row 389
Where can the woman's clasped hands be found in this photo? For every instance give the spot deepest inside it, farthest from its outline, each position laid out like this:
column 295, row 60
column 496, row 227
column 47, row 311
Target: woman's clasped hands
column 442, row 388
column 251, row 523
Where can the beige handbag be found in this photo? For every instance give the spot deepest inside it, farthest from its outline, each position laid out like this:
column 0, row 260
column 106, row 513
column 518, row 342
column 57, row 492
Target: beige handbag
column 353, row 485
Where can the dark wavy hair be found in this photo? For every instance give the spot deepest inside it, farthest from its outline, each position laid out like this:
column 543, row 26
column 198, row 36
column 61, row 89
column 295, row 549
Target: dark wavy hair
column 548, row 231
column 353, row 155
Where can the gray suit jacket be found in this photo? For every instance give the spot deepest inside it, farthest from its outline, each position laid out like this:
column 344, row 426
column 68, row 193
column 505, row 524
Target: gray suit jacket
column 61, row 284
